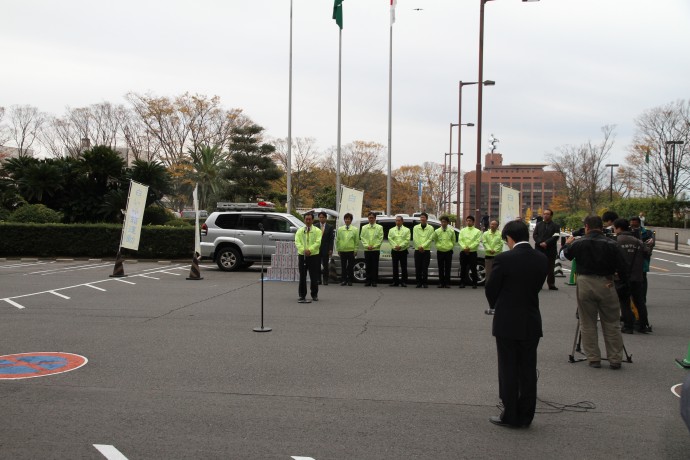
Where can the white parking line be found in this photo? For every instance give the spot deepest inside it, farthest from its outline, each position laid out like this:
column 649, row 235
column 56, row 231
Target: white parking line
column 13, row 303
column 67, row 269
column 59, row 295
column 25, row 264
column 147, row 276
column 94, row 287
column 170, row 273
column 123, row 281
column 110, row 452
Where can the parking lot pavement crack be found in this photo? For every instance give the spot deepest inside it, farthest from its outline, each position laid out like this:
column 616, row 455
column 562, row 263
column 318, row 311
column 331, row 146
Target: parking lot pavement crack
column 365, row 326
column 196, row 302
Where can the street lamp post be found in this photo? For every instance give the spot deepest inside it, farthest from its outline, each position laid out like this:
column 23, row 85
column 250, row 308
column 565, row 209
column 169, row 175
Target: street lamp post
column 460, row 85
column 478, row 192
column 611, row 186
column 450, row 153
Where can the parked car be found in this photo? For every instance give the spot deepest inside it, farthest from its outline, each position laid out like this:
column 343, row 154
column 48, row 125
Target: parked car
column 385, row 262
column 190, row 214
column 234, row 239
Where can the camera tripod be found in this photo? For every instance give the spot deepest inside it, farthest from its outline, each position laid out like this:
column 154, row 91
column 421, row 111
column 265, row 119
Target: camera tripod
column 577, row 347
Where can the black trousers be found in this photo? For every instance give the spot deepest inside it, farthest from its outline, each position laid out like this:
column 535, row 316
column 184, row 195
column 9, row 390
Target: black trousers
column 625, row 292
column 517, row 379
column 347, row 266
column 468, row 262
column 371, row 259
column 550, row 265
column 399, row 266
column 311, row 265
column 445, row 259
column 323, row 260
column 421, row 266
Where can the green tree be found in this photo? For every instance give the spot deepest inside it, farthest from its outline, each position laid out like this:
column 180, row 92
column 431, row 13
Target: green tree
column 251, row 167
column 325, row 198
column 209, row 166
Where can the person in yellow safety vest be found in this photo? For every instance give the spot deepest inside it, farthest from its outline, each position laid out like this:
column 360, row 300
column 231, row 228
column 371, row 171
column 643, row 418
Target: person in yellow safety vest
column 347, row 243
column 493, row 245
column 445, row 241
column 399, row 239
column 469, row 242
column 371, row 237
column 308, row 242
column 422, row 236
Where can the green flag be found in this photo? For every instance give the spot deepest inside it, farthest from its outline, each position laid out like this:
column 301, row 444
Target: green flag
column 338, row 12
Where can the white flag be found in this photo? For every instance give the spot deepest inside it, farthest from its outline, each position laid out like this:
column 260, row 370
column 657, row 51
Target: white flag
column 136, row 203
column 393, row 2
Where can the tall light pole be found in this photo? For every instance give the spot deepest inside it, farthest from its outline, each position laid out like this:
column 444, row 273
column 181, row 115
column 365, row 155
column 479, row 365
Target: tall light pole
column 460, row 85
column 450, row 167
column 611, row 186
column 478, row 192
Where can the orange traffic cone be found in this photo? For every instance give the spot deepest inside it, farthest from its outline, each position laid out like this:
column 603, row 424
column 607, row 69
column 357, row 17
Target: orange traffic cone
column 119, row 270
column 194, row 272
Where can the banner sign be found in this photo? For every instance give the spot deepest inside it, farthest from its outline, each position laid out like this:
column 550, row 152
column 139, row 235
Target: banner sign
column 509, row 205
column 350, row 201
column 197, row 242
column 136, row 203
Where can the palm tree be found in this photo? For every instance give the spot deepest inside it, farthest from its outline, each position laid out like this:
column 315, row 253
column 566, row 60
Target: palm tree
column 209, row 165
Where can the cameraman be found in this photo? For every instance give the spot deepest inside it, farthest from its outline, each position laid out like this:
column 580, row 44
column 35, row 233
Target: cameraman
column 634, row 252
column 598, row 259
column 648, row 237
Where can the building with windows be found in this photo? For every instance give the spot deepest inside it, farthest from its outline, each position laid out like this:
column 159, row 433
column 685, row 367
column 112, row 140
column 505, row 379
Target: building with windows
column 537, row 187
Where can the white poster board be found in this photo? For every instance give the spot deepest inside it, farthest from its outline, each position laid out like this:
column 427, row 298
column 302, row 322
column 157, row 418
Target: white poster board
column 351, row 201
column 197, row 234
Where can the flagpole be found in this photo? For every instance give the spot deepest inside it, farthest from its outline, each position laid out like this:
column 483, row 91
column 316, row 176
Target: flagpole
column 340, row 65
column 289, row 136
column 390, row 121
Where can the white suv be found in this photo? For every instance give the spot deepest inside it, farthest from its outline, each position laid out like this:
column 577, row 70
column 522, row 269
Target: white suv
column 233, row 239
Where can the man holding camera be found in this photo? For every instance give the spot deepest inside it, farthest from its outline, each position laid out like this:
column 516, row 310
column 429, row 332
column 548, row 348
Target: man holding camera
column 598, row 260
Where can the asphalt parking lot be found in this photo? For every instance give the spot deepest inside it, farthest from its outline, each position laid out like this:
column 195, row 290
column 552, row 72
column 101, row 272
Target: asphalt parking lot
column 175, row 370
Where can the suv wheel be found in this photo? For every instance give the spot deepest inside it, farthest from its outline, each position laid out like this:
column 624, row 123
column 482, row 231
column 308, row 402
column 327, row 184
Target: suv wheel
column 228, row 259
column 360, row 271
column 481, row 273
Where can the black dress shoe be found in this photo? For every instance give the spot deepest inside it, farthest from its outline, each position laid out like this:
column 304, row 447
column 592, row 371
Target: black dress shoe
column 474, row 286
column 314, row 298
column 343, row 283
column 462, row 286
column 553, row 288
column 394, row 285
column 425, row 286
column 325, row 283
column 403, row 285
column 418, row 286
column 367, row 284
column 373, row 284
column 496, row 420
column 349, row 283
column 440, row 286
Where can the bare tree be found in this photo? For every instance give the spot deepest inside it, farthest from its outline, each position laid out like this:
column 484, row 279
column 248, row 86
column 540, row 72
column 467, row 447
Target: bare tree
column 305, row 159
column 26, row 123
column 583, row 170
column 360, row 161
column 660, row 162
column 4, row 132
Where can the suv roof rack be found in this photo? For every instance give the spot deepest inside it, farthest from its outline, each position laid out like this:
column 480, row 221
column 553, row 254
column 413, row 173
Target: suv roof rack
column 265, row 206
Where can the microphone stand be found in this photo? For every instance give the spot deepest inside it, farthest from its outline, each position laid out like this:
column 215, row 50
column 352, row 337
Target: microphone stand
column 262, row 328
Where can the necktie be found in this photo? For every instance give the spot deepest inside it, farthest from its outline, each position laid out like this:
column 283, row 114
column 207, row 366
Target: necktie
column 347, row 227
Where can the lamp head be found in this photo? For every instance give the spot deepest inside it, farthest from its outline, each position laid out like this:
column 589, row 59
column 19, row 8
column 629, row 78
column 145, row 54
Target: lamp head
column 489, row 83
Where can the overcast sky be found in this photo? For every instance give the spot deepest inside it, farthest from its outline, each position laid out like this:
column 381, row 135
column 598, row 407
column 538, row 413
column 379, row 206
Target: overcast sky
column 563, row 68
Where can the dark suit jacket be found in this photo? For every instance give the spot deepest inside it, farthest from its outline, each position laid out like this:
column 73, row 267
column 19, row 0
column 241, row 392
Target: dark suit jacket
column 513, row 291
column 327, row 238
column 544, row 232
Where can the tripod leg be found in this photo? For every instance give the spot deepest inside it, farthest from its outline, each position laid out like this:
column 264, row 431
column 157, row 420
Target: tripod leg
column 571, row 358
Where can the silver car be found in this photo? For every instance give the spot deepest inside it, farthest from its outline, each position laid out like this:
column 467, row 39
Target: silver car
column 234, row 239
column 385, row 261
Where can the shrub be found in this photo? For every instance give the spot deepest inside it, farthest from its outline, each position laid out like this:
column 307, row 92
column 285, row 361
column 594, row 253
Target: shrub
column 35, row 213
column 156, row 215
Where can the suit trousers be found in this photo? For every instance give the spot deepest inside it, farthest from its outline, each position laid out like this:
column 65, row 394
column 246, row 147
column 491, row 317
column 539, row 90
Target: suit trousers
column 347, row 266
column 311, row 265
column 445, row 260
column 550, row 265
column 468, row 263
column 517, row 379
column 488, row 264
column 371, row 259
column 421, row 266
column 323, row 260
column 626, row 292
column 399, row 266
column 596, row 295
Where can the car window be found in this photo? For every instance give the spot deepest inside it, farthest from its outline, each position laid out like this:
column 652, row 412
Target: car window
column 387, row 225
column 277, row 224
column 227, row 221
column 250, row 222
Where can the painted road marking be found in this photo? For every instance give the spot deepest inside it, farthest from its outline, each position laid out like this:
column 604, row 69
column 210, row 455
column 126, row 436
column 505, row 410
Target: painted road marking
column 302, row 458
column 144, row 274
column 66, row 269
column 677, row 389
column 657, row 251
column 110, row 452
column 39, row 364
column 659, row 268
column 94, row 287
column 25, row 264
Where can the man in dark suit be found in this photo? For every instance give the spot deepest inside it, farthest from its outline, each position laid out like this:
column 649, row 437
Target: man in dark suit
column 547, row 243
column 513, row 292
column 326, row 250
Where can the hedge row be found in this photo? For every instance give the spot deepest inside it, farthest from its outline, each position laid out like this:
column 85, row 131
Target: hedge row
column 92, row 240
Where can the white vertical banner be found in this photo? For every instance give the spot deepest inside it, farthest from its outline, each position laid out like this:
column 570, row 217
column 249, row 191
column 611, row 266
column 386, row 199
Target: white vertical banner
column 136, row 203
column 509, row 205
column 351, row 201
column 195, row 198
